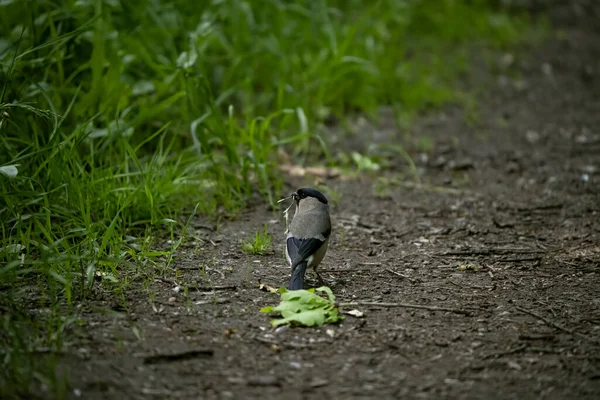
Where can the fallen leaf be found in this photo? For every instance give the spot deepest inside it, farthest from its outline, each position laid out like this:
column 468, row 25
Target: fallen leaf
column 267, row 288
column 228, row 332
column 304, row 307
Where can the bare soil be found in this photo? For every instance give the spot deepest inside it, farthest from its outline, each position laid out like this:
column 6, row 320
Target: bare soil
column 516, row 195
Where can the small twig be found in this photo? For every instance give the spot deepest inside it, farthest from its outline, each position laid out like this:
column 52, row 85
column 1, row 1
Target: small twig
column 471, row 286
column 490, row 251
column 399, row 234
column 367, row 226
column 502, row 225
column 211, row 288
column 374, row 264
column 182, row 356
column 198, row 288
column 165, row 280
column 555, row 325
column 345, row 270
column 537, row 337
column 166, row 303
column 541, row 207
column 506, row 353
column 519, row 259
column 391, row 271
column 544, row 350
column 403, row 305
column 211, row 301
column 288, row 344
column 544, row 320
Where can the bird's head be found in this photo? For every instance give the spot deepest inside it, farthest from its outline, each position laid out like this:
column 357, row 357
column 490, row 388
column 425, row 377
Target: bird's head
column 308, row 195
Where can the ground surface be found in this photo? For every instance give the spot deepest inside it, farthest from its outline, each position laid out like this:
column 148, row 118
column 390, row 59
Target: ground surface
column 517, row 195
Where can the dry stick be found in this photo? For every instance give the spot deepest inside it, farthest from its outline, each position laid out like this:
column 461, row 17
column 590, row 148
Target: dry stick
column 199, row 288
column 555, row 325
column 403, row 305
column 506, row 353
column 521, row 259
column 490, row 251
column 211, row 288
column 471, row 286
column 544, row 320
column 182, row 356
column 288, row 344
column 346, row 270
column 391, row 271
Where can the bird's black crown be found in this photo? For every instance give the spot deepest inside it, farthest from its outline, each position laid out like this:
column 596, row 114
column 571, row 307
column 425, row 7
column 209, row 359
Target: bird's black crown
column 308, row 192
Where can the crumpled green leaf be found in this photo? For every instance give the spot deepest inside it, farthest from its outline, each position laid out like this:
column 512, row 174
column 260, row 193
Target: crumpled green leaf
column 305, row 307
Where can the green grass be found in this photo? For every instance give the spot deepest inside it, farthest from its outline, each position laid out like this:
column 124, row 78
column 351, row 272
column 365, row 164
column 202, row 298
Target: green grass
column 121, row 120
column 259, row 244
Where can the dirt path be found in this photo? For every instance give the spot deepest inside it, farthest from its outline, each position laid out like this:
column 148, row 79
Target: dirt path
column 520, row 200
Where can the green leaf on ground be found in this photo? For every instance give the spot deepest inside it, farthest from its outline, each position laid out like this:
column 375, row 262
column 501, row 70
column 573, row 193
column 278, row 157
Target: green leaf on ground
column 305, row 307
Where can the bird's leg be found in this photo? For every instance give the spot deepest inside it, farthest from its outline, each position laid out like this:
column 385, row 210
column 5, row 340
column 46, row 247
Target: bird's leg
column 320, row 279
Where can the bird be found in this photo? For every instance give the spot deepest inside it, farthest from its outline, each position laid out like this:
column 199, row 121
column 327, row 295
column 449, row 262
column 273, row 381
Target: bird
column 308, row 236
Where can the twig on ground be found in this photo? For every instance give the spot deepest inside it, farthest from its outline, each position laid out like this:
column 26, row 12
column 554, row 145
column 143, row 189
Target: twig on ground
column 198, row 288
column 519, row 259
column 181, row 356
column 391, row 271
column 211, row 288
column 555, row 325
column 538, row 337
column 489, row 251
column 544, row 320
column 165, row 280
column 275, row 343
column 346, row 270
column 374, row 264
column 403, row 305
column 506, row 353
column 471, row 286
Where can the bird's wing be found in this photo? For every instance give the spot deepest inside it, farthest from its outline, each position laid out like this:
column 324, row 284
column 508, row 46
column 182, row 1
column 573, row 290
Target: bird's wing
column 300, row 249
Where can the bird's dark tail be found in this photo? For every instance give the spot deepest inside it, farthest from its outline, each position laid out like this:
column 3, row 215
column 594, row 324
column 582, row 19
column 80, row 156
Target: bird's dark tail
column 297, row 280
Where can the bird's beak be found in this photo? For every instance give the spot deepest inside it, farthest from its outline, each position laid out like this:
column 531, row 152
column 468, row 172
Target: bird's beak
column 295, row 197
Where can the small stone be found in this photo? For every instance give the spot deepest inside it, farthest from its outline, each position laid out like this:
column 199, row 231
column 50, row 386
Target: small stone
column 295, row 365
column 547, row 69
column 514, row 365
column 532, row 136
column 282, row 329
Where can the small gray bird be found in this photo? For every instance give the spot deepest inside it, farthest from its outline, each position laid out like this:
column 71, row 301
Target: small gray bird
column 308, row 236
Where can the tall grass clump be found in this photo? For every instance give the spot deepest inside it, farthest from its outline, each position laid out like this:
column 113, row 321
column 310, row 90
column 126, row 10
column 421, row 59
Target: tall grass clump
column 120, row 119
